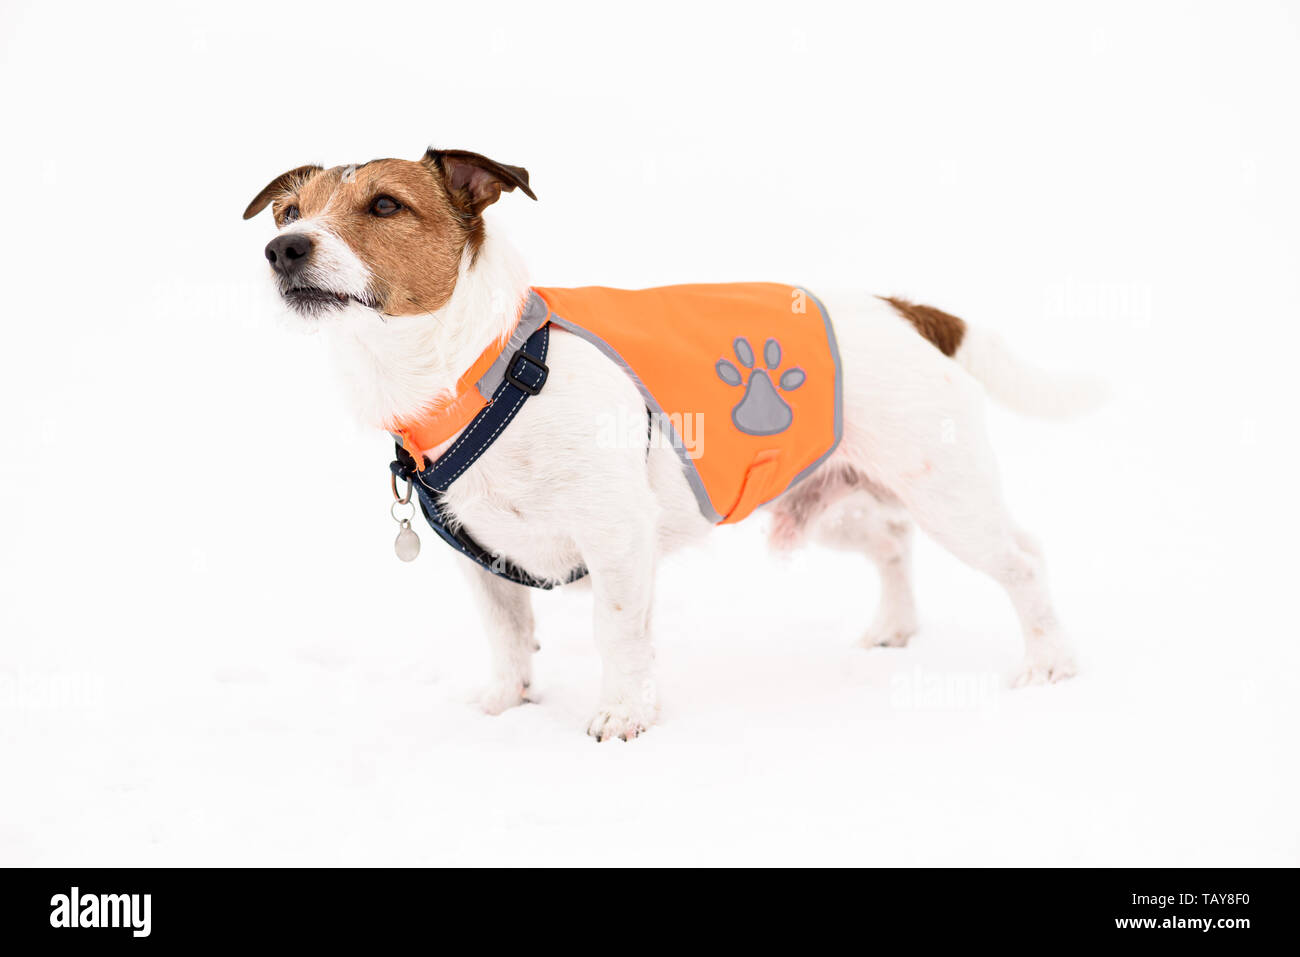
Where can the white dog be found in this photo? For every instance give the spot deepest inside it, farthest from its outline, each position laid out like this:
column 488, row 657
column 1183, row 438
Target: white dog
column 394, row 256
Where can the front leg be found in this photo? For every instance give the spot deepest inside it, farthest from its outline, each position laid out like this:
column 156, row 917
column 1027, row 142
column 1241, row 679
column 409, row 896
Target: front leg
column 621, row 563
column 507, row 612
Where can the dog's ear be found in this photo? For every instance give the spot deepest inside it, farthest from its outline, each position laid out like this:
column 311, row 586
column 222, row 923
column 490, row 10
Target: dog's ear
column 473, row 181
column 281, row 184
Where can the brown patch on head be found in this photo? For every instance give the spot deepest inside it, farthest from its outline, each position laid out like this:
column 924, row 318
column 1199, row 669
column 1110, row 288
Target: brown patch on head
column 410, row 222
column 413, row 252
column 944, row 330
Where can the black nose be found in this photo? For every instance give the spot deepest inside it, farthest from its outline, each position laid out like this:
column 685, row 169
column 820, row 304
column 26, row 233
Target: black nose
column 286, row 254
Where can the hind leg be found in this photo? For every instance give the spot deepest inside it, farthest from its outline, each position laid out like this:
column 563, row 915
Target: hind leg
column 913, row 423
column 989, row 543
column 946, row 476
column 1048, row 656
column 861, row 522
column 966, row 514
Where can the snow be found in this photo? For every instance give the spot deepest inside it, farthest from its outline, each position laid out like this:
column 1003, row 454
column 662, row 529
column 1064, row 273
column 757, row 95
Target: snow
column 209, row 654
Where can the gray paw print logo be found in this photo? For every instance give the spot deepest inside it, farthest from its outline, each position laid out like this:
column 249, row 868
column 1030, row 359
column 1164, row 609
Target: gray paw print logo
column 761, row 411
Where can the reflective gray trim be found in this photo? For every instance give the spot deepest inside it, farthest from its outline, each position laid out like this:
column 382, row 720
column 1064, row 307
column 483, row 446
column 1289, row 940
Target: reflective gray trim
column 534, row 316
column 692, row 475
column 662, row 419
column 839, row 396
column 530, row 320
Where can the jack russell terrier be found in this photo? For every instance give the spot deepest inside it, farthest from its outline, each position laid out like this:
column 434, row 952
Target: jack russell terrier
column 511, row 407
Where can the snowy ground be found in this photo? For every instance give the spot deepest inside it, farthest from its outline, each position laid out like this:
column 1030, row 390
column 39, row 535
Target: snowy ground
column 210, row 655
column 272, row 692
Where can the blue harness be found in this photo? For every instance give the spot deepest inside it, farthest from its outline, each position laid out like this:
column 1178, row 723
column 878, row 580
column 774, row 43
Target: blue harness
column 525, row 375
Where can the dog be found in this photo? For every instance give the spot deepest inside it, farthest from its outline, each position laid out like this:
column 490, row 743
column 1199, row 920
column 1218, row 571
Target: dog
column 395, row 260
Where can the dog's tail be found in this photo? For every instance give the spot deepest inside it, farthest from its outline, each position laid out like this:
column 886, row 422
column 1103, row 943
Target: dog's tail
column 1023, row 387
column 1010, row 380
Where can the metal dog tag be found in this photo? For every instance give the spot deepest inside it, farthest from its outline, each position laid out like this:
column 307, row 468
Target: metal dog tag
column 407, row 544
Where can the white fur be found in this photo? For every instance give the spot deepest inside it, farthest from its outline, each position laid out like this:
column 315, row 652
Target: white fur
column 549, row 495
column 396, row 366
column 333, row 265
column 1022, row 387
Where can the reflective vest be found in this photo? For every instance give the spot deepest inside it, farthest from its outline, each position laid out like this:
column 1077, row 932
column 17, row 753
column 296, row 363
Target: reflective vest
column 743, row 379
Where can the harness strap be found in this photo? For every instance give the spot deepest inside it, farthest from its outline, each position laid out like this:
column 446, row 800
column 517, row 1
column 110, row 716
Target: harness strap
column 525, row 375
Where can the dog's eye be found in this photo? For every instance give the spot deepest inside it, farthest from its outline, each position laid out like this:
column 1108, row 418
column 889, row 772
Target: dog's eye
column 385, row 206
column 290, row 214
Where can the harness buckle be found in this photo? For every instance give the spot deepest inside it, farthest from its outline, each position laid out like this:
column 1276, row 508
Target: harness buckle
column 540, row 372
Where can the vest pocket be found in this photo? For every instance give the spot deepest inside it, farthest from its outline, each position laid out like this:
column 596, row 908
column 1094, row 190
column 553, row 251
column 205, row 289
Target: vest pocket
column 757, row 487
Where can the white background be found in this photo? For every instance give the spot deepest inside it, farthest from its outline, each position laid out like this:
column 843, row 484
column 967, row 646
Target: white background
column 209, row 654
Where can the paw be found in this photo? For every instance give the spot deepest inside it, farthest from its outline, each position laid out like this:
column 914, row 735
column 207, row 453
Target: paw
column 503, row 694
column 1045, row 666
column 620, row 721
column 761, row 411
column 889, row 634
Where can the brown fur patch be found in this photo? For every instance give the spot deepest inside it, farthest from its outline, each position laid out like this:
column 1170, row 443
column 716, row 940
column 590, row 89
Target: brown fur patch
column 944, row 330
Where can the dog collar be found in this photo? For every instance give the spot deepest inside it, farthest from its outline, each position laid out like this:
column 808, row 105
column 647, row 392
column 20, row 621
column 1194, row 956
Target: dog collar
column 445, row 417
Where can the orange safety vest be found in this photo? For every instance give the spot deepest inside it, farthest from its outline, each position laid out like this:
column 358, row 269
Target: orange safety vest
column 744, row 378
